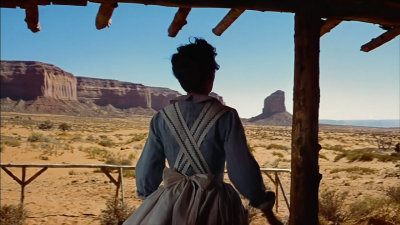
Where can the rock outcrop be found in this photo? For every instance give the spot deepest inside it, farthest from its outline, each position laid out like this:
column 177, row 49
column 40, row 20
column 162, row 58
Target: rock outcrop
column 35, row 87
column 274, row 111
column 123, row 95
column 28, row 86
column 29, row 80
column 220, row 98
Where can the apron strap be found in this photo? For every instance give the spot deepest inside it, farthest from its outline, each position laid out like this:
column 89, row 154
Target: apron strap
column 190, row 140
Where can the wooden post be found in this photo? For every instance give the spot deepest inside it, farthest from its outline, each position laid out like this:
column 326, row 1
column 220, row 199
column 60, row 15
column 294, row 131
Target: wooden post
column 23, row 185
column 118, row 184
column 276, row 192
column 121, row 172
column 305, row 176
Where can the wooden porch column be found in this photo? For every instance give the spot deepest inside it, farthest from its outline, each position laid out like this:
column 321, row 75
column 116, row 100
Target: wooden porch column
column 305, row 176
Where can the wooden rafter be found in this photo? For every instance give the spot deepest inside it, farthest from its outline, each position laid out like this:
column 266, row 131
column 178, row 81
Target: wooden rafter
column 380, row 40
column 179, row 21
column 379, row 12
column 328, row 25
column 103, row 18
column 32, row 17
column 232, row 15
column 385, row 12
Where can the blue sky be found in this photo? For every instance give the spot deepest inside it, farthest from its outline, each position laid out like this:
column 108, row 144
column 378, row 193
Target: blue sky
column 256, row 55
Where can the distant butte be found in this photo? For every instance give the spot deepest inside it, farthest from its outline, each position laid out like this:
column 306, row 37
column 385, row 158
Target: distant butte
column 274, row 111
column 36, row 87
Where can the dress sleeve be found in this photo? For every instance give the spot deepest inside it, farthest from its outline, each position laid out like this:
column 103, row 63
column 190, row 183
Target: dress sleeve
column 151, row 163
column 243, row 169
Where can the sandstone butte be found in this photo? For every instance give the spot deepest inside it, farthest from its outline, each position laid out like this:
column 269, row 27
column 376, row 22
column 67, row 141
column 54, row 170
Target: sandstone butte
column 36, row 87
column 274, row 111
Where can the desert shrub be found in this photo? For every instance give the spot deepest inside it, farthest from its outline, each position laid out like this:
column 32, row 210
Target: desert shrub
column 339, row 148
column 330, row 206
column 76, row 138
column 72, row 172
column 394, row 194
column 10, row 141
column 138, row 147
column 38, row 137
column 394, row 157
column 366, row 154
column 13, row 214
column 354, row 169
column 251, row 149
column 275, row 163
column 97, row 153
column 136, row 137
column 90, row 138
column 278, row 154
column 125, row 162
column 111, row 160
column 46, row 125
column 105, row 141
column 64, row 126
column 129, row 173
column 131, row 156
column 371, row 210
column 116, row 212
column 43, row 157
column 276, row 146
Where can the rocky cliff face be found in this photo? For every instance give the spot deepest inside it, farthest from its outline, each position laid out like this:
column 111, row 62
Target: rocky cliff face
column 274, row 111
column 121, row 95
column 275, row 103
column 28, row 86
column 39, row 87
column 29, row 80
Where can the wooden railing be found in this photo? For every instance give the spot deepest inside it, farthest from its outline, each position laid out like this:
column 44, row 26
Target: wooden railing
column 119, row 182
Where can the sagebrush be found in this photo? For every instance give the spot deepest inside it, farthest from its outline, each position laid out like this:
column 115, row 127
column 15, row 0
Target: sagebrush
column 13, row 214
column 116, row 212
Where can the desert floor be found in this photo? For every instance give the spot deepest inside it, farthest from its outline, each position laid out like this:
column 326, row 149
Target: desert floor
column 77, row 196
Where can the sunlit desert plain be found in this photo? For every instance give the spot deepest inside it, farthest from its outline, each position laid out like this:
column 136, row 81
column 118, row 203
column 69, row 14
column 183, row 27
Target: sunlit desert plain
column 360, row 168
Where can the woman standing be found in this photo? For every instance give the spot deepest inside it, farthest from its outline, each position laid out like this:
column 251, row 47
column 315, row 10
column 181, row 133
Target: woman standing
column 197, row 135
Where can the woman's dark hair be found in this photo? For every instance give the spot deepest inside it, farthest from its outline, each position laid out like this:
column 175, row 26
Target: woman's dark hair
column 194, row 65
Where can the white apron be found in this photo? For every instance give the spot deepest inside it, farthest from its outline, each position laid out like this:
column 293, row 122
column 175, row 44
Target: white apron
column 200, row 199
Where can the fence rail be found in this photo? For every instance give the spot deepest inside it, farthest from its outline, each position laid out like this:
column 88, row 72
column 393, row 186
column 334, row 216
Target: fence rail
column 119, row 182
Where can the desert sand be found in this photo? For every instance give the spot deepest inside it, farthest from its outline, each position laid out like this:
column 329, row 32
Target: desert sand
column 78, row 195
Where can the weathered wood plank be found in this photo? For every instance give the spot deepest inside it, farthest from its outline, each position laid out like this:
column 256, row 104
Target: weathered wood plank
column 380, row 40
column 283, row 192
column 23, row 185
column 107, row 173
column 103, row 17
column 32, row 17
column 384, row 12
column 232, row 15
column 178, row 22
column 305, row 176
column 328, row 25
column 35, row 175
column 2, row 165
column 12, row 175
column 380, row 12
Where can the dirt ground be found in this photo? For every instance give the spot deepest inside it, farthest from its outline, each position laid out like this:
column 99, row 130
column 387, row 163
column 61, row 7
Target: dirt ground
column 78, row 195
